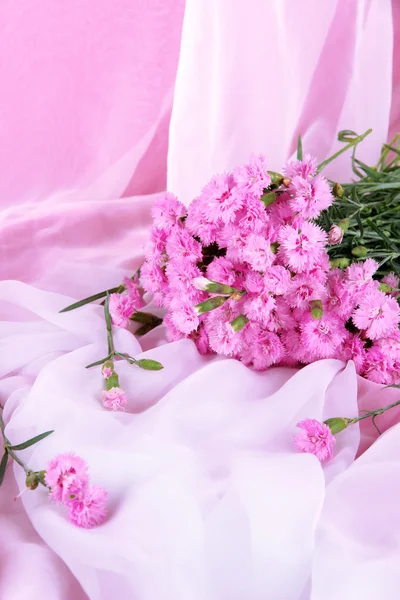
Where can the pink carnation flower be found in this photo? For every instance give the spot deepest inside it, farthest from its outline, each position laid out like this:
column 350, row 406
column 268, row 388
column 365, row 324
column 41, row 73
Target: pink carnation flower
column 114, row 399
column 220, row 200
column 277, row 280
column 153, row 278
column 323, row 337
column 252, row 217
column 335, row 235
column 154, row 249
column 301, row 249
column 121, row 309
column 303, row 289
column 181, row 245
column 392, row 281
column 181, row 274
column 378, row 367
column 310, row 196
column 197, row 224
column 359, row 276
column 167, row 211
column 172, row 332
column 134, row 291
column 221, row 337
column 305, row 168
column 185, row 319
column 257, row 252
column 253, row 177
column 390, row 345
column 339, row 300
column 315, row 438
column 221, row 270
column 262, row 348
column 254, row 283
column 353, row 349
column 259, row 307
column 378, row 314
column 90, row 508
column 66, row 475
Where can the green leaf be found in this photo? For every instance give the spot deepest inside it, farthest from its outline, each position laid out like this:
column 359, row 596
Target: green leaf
column 144, row 318
column 146, row 328
column 149, row 365
column 32, row 441
column 268, row 198
column 98, row 362
column 276, row 178
column 3, row 465
column 347, row 135
column 299, row 148
column 372, row 173
column 93, row 298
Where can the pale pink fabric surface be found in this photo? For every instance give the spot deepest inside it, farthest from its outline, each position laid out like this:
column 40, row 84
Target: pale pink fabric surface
column 209, row 499
column 253, row 80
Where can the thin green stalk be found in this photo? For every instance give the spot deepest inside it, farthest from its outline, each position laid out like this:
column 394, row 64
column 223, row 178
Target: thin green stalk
column 354, row 142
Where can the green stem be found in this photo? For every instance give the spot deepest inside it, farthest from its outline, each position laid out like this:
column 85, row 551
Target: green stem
column 374, row 413
column 354, row 142
column 110, row 341
column 7, row 447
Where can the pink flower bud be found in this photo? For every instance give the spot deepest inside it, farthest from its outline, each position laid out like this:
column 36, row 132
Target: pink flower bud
column 335, row 235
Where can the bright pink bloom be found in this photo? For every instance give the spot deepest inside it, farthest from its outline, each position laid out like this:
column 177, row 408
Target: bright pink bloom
column 222, row 339
column 121, row 309
column 200, row 338
column 106, row 372
column 322, row 338
column 304, row 168
column 378, row 314
column 153, row 278
column 181, row 274
column 181, row 245
column 359, row 276
column 114, row 399
column 154, row 249
column 253, row 177
column 295, row 349
column 310, row 196
column 252, row 218
column 302, row 248
column 335, row 235
column 167, row 211
column 315, row 438
column 277, row 280
column 262, row 348
column 257, row 252
column 90, row 508
column 392, row 281
column 197, row 224
column 220, row 200
column 221, row 270
column 172, row 332
column 378, row 367
column 185, row 319
column 258, row 307
column 353, row 349
column 339, row 300
column 254, row 283
column 390, row 345
column 303, row 289
column 66, row 474
column 134, row 292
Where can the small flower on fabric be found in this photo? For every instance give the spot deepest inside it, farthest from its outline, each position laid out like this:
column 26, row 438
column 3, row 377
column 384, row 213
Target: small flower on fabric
column 253, row 176
column 378, row 314
column 114, row 399
column 335, row 235
column 121, row 309
column 315, row 438
column 167, row 211
column 89, row 508
column 66, row 473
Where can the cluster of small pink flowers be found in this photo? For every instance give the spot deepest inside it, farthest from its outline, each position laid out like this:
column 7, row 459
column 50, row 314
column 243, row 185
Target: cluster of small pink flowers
column 68, row 479
column 122, row 306
column 283, row 303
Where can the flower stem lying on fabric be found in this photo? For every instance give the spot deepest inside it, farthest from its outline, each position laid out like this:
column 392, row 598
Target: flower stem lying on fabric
column 319, row 438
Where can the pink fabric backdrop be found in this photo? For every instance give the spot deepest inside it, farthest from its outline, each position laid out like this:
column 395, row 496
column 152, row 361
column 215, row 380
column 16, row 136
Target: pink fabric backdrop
column 209, row 501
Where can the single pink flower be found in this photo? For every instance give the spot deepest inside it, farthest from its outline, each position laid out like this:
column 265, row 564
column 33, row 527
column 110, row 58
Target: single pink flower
column 221, row 270
column 303, row 289
column 304, row 168
column 181, row 245
column 301, row 249
column 378, row 366
column 393, row 282
column 167, row 211
column 114, row 399
column 310, row 196
column 262, row 348
column 353, row 348
column 90, row 508
column 121, row 309
column 377, row 313
column 66, row 474
column 253, row 176
column 359, row 276
column 258, row 307
column 277, row 280
column 106, row 372
column 257, row 252
column 220, row 200
column 315, row 438
column 335, row 235
column 252, row 218
column 134, row 291
column 322, row 338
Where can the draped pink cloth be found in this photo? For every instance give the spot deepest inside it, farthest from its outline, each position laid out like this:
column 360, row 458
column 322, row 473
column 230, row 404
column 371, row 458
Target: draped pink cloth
column 208, row 498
